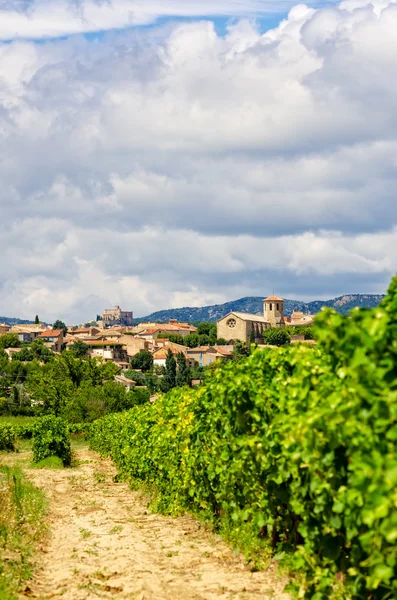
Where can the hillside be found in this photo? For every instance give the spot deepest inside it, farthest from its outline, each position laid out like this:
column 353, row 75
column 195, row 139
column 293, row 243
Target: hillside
column 253, row 304
column 13, row 321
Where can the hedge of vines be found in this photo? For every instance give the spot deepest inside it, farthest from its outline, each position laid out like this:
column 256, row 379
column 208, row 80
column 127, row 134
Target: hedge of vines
column 7, row 437
column 51, row 438
column 294, row 446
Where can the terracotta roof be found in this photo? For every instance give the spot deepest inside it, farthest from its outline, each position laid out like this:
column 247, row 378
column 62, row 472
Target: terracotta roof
column 51, row 333
column 223, row 351
column 162, row 352
column 274, row 298
column 199, row 349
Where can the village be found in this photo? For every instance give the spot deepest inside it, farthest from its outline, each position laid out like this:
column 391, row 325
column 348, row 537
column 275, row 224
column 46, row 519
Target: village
column 114, row 337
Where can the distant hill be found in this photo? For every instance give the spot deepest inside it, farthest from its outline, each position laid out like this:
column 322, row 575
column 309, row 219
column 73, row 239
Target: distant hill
column 13, row 321
column 254, row 304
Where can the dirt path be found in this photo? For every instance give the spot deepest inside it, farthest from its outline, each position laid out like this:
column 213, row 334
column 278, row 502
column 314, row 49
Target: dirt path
column 104, row 543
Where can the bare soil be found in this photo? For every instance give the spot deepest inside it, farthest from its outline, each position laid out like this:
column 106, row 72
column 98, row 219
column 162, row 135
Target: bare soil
column 104, row 542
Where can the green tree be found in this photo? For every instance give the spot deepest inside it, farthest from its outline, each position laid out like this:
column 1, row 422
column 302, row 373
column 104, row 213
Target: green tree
column 206, row 328
column 276, row 337
column 306, row 330
column 143, row 361
column 139, row 396
column 3, row 361
column 40, row 351
column 169, row 380
column 25, row 355
column 79, row 349
column 9, row 340
column 183, row 372
column 60, row 325
column 240, row 350
column 36, row 320
column 36, row 350
column 192, row 340
column 51, row 386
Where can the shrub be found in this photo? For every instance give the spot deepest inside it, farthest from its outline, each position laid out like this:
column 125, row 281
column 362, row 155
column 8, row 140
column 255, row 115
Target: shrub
column 293, row 447
column 142, row 360
column 25, row 431
column 276, row 336
column 51, row 438
column 77, row 428
column 7, row 437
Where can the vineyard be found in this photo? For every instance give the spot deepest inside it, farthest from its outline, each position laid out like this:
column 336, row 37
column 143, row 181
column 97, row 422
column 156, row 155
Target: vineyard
column 292, row 449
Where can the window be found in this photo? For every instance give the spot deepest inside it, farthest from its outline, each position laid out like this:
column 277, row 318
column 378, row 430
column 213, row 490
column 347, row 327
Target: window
column 231, row 323
column 271, row 306
column 277, row 306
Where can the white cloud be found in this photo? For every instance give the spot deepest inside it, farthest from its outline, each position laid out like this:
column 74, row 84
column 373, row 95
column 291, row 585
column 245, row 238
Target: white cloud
column 153, row 268
column 39, row 19
column 179, row 166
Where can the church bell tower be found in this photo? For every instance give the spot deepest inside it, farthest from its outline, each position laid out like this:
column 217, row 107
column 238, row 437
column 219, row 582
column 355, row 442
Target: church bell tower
column 273, row 311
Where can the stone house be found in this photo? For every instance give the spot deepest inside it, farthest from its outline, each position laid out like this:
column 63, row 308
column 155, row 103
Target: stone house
column 160, row 356
column 84, row 332
column 129, row 384
column 301, row 318
column 107, row 350
column 172, row 327
column 206, row 355
column 134, row 344
column 53, row 339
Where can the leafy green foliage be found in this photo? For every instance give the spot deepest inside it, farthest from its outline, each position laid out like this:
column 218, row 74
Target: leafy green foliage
column 292, row 447
column 276, row 336
column 79, row 349
column 306, row 330
column 77, row 389
column 9, row 340
column 51, row 438
column 60, row 325
column 139, row 396
column 241, row 350
column 206, row 335
column 183, row 376
column 143, row 360
column 169, row 380
column 7, row 437
column 36, row 350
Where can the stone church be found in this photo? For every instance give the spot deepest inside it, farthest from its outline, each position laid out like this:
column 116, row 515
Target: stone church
column 244, row 326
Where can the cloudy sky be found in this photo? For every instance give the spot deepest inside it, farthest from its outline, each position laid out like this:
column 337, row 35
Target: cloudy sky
column 167, row 153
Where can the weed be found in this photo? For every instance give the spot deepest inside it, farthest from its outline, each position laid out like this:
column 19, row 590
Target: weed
column 99, row 476
column 51, row 462
column 85, row 533
column 22, row 508
column 116, row 529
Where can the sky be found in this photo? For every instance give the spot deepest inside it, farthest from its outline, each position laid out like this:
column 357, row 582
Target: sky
column 165, row 153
